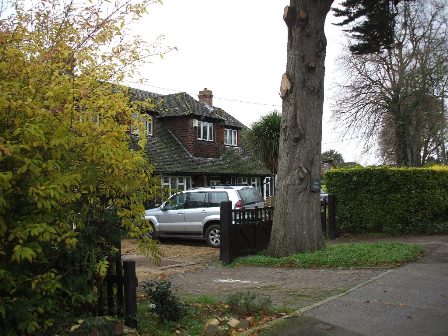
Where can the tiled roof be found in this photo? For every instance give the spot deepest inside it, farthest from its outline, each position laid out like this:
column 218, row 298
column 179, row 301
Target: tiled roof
column 182, row 104
column 137, row 94
column 169, row 157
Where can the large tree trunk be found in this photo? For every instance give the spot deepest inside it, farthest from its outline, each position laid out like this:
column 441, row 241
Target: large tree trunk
column 297, row 225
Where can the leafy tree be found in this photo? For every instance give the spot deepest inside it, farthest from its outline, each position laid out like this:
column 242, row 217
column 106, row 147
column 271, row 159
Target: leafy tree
column 296, row 226
column 333, row 154
column 263, row 137
column 68, row 176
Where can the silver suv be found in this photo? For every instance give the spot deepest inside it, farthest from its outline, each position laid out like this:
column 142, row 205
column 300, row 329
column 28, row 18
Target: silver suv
column 196, row 213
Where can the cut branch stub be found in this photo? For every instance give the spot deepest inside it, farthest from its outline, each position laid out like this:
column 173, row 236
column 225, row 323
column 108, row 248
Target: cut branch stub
column 289, row 15
column 302, row 18
column 285, row 86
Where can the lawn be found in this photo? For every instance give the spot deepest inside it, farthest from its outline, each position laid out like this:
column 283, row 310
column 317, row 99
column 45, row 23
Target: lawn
column 344, row 255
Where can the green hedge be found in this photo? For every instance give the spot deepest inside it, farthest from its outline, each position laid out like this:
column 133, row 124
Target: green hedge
column 390, row 200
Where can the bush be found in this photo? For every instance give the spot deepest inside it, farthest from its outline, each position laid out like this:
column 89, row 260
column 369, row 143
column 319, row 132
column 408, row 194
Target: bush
column 166, row 305
column 248, row 303
column 390, row 200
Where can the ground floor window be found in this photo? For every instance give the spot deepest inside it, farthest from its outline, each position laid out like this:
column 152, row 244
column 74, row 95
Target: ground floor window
column 176, row 183
column 250, row 181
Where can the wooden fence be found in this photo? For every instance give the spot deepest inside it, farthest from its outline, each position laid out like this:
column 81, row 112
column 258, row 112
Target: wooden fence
column 249, row 234
column 117, row 293
column 247, row 231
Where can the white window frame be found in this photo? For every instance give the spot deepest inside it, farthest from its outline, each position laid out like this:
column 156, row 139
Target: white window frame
column 176, row 183
column 138, row 121
column 148, row 125
column 230, row 137
column 209, row 130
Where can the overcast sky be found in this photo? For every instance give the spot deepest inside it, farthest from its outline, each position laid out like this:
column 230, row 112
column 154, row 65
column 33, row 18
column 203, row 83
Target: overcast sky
column 237, row 49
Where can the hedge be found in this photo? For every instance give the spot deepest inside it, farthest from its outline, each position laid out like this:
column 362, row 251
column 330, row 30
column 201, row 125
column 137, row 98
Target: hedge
column 390, row 200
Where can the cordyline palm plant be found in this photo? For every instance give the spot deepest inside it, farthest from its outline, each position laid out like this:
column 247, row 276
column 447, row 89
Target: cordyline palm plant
column 264, row 137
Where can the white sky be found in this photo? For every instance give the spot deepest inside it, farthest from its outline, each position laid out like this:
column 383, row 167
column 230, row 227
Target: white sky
column 237, row 49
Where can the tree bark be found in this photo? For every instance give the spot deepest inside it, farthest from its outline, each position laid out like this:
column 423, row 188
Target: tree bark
column 296, row 226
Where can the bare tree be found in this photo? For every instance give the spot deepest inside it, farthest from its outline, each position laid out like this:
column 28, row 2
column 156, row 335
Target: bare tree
column 396, row 97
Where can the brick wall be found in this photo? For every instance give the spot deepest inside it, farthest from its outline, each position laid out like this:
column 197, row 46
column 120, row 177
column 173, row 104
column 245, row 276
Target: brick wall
column 182, row 128
column 211, row 149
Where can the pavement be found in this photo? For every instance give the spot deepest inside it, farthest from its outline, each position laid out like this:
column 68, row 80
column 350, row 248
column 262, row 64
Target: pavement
column 407, row 301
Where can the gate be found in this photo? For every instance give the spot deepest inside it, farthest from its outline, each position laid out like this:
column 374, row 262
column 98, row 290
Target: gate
column 247, row 231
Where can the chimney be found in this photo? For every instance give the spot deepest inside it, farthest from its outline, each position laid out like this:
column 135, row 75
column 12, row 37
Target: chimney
column 206, row 96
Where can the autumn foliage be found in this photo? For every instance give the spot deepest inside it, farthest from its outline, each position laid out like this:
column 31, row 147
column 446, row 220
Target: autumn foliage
column 68, row 177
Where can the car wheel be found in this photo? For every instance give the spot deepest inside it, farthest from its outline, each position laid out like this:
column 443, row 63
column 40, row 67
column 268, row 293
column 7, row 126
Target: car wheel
column 213, row 235
column 151, row 234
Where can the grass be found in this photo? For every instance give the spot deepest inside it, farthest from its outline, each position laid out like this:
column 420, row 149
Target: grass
column 344, row 255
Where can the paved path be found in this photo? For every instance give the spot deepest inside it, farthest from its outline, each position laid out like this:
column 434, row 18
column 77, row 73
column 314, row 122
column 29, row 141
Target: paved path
column 292, row 288
column 411, row 300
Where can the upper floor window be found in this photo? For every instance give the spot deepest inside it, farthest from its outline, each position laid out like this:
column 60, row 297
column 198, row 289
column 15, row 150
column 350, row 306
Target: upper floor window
column 141, row 121
column 148, row 125
column 205, row 131
column 230, row 137
column 89, row 117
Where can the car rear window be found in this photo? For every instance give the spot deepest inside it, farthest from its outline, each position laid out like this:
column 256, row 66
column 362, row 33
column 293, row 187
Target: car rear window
column 250, row 196
column 216, row 197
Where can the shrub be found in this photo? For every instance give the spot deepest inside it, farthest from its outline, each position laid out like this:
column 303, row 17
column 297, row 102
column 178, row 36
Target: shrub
column 248, row 303
column 165, row 304
column 390, row 200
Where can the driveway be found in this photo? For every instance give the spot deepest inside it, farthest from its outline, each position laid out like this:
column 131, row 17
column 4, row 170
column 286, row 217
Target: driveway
column 179, row 257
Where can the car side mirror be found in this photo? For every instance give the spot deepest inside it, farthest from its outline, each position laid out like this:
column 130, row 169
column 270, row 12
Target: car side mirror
column 162, row 207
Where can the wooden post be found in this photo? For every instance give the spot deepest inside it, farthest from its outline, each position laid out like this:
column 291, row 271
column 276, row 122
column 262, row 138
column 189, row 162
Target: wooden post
column 226, row 220
column 119, row 280
column 100, row 303
column 110, row 282
column 332, row 217
column 130, row 291
column 323, row 216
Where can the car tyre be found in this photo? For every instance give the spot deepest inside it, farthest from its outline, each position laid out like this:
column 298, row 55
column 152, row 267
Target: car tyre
column 151, row 234
column 213, row 235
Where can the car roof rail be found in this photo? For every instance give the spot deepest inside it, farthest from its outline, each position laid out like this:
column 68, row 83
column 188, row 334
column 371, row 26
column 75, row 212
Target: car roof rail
column 229, row 186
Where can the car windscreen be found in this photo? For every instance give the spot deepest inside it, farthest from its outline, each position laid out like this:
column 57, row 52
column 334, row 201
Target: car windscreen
column 250, row 196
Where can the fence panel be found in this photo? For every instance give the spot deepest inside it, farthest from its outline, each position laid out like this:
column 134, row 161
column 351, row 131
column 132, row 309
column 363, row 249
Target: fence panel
column 117, row 293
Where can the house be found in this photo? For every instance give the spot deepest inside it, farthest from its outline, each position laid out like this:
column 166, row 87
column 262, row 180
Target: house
column 195, row 144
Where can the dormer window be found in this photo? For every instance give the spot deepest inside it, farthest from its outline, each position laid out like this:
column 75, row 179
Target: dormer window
column 230, row 137
column 139, row 121
column 148, row 125
column 205, row 131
